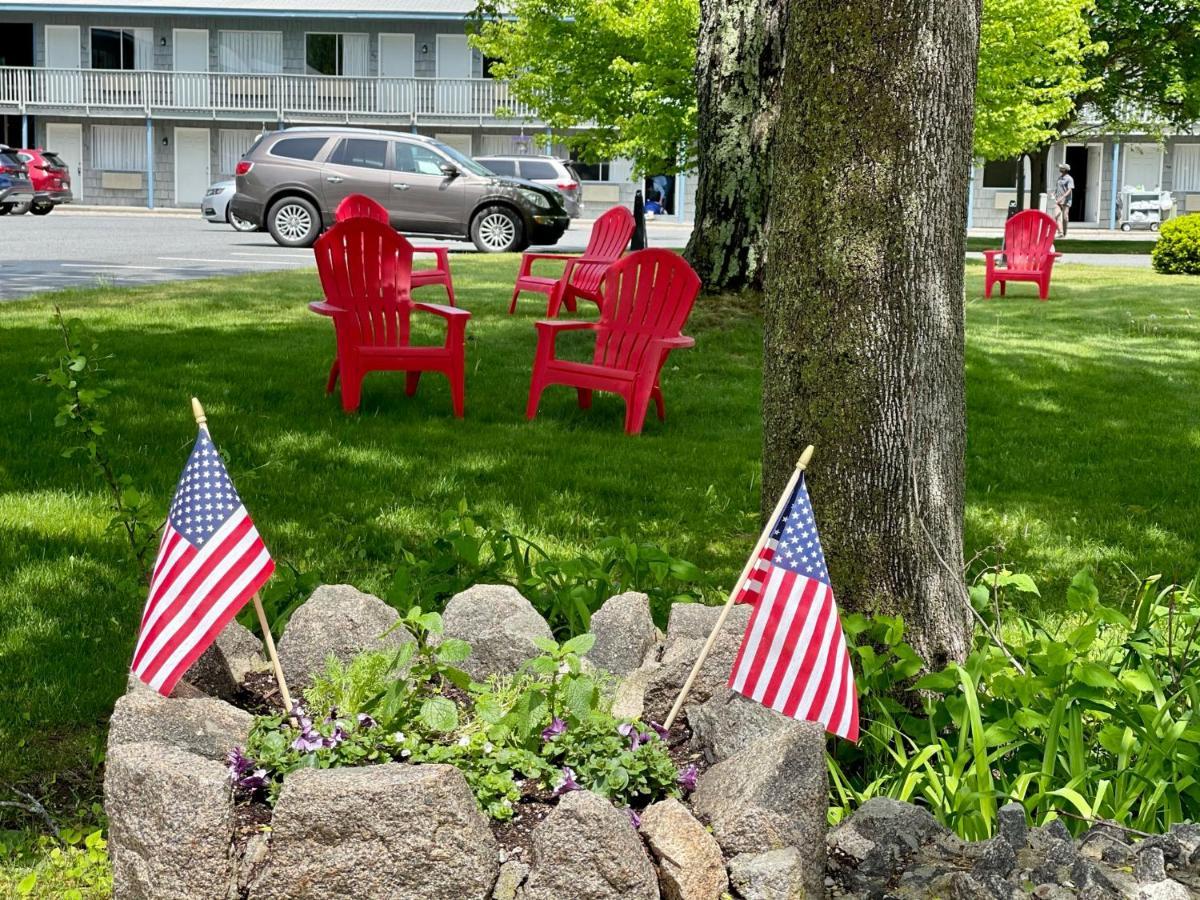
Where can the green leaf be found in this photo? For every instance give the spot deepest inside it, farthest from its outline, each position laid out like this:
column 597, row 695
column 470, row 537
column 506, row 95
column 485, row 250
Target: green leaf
column 580, row 644
column 544, row 665
column 453, row 650
column 439, row 714
column 580, row 696
column 1095, row 675
column 980, row 597
column 546, row 645
column 1082, row 594
column 941, row 682
column 1136, row 681
column 26, row 885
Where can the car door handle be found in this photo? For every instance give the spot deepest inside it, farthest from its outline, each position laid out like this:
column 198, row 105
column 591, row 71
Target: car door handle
column 335, row 179
column 400, row 187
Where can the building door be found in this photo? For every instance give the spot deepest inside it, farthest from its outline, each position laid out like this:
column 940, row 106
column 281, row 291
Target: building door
column 67, row 141
column 397, row 55
column 192, row 162
column 1143, row 167
column 191, row 67
column 1077, row 159
column 453, row 61
column 63, row 52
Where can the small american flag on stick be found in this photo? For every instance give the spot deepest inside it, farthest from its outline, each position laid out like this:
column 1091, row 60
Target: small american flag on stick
column 793, row 657
column 210, row 562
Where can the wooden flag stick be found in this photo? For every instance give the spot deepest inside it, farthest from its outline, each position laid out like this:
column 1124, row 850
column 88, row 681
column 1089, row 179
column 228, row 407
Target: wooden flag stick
column 801, row 464
column 202, row 421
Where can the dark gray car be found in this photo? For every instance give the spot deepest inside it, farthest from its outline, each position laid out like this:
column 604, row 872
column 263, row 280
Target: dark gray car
column 292, row 181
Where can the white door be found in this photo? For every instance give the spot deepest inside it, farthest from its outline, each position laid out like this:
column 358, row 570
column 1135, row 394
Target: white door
column 191, row 67
column 1143, row 167
column 453, row 61
column 67, row 142
column 63, row 52
column 396, row 55
column 192, row 164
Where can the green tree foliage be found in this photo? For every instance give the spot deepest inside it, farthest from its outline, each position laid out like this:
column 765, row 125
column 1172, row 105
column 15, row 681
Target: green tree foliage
column 621, row 69
column 1034, row 60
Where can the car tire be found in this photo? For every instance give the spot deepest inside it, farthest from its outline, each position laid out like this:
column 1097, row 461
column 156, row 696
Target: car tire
column 42, row 209
column 237, row 224
column 4, row 208
column 294, row 222
column 497, row 229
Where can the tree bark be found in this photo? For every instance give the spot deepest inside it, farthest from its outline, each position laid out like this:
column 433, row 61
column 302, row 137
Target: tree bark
column 739, row 68
column 863, row 343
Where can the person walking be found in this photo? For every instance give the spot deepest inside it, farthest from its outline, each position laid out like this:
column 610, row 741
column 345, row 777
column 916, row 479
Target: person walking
column 1064, row 193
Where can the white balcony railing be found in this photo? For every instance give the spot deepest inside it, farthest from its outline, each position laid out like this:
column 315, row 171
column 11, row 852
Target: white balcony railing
column 277, row 96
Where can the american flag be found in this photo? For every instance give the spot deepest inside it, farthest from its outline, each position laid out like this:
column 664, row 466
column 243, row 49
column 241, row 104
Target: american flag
column 793, row 657
column 210, row 562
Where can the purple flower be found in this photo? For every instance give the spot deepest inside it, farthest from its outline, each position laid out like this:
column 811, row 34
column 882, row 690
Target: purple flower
column 239, row 764
column 568, row 782
column 660, row 731
column 339, row 735
column 625, row 729
column 634, row 819
column 687, row 778
column 255, row 781
column 365, row 722
column 554, row 729
column 333, row 715
column 308, row 741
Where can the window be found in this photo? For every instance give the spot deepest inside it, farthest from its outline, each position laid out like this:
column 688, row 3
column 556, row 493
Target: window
column 501, row 166
column 488, row 62
column 299, row 148
column 335, row 54
column 1187, row 167
column 1000, row 174
column 361, row 152
column 232, row 145
column 538, row 170
column 250, row 52
column 417, row 160
column 122, row 48
column 591, row 171
column 119, row 148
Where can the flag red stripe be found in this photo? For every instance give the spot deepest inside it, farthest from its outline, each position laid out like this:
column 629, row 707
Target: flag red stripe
column 778, row 600
column 804, row 673
column 737, row 663
column 161, row 577
column 804, row 605
column 212, row 557
column 823, row 669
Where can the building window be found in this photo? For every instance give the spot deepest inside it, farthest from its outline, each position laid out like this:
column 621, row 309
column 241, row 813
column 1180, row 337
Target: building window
column 119, row 148
column 591, row 171
column 1000, row 174
column 250, row 52
column 335, row 54
column 232, row 144
column 122, row 48
column 1187, row 167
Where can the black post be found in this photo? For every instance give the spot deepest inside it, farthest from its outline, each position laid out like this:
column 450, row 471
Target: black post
column 638, row 241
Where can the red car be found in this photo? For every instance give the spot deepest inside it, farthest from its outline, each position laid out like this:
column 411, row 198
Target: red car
column 51, row 179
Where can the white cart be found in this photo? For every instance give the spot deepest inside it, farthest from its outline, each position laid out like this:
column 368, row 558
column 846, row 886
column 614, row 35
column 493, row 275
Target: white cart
column 1144, row 209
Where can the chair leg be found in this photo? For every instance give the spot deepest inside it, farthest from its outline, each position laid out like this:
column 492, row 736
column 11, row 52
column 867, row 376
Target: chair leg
column 553, row 302
column 585, row 398
column 351, row 390
column 1043, row 290
column 458, row 389
column 1003, row 288
column 535, row 397
column 657, row 396
column 512, row 307
column 333, row 378
column 411, row 380
column 450, row 290
column 637, row 401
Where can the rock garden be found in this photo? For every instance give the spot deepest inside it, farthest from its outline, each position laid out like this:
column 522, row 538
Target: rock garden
column 470, row 755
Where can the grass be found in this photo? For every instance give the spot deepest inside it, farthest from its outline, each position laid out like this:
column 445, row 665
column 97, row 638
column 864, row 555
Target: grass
column 1069, row 245
column 1083, row 419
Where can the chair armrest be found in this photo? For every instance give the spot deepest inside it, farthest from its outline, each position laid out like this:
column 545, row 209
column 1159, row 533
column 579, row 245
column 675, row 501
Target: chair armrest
column 1056, row 256
column 446, row 312
column 442, row 253
column 554, row 326
column 528, row 258
column 682, row 342
column 990, row 254
column 321, row 308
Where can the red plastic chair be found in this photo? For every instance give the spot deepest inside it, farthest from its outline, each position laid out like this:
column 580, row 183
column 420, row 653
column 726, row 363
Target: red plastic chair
column 645, row 299
column 1028, row 253
column 365, row 270
column 581, row 276
column 362, row 206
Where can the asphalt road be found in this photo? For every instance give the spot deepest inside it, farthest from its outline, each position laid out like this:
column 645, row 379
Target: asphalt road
column 86, row 249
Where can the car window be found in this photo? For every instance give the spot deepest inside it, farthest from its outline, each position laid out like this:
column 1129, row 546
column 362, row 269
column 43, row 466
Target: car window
column 537, row 170
column 299, row 148
column 501, row 166
column 25, row 157
column 416, row 159
column 8, row 158
column 54, row 160
column 361, row 152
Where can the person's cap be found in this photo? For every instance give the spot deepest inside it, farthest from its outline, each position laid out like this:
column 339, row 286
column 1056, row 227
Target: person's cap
column 1063, row 167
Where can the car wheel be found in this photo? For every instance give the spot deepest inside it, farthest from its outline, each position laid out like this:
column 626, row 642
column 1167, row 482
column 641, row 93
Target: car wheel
column 4, row 208
column 294, row 222
column 239, row 224
column 19, row 209
column 497, row 229
column 42, row 209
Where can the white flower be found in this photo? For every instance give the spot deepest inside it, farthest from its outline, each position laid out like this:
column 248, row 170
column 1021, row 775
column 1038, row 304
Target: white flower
column 464, row 741
column 405, row 753
column 398, row 737
column 488, row 747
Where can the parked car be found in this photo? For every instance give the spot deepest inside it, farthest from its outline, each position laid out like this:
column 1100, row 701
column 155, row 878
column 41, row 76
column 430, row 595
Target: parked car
column 16, row 190
column 546, row 170
column 51, row 178
column 215, row 207
column 292, row 181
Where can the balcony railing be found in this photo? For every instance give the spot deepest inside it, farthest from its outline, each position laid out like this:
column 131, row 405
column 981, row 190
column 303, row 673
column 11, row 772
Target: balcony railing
column 274, row 96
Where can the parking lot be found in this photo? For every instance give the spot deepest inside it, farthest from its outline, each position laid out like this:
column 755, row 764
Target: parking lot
column 79, row 248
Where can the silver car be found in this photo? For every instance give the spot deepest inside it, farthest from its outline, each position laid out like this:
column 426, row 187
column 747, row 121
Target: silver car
column 548, row 170
column 215, row 207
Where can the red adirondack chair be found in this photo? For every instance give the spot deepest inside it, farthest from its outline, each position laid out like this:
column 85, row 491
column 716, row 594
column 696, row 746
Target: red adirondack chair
column 645, row 299
column 581, row 275
column 365, row 270
column 362, row 206
column 1028, row 253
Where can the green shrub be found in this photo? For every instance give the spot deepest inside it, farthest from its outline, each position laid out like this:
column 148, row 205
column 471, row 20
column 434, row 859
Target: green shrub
column 76, row 867
column 1178, row 249
column 1099, row 721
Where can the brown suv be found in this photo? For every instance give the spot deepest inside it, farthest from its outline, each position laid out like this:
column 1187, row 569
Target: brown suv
column 292, row 181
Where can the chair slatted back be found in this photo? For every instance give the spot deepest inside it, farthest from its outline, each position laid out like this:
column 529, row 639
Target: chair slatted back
column 1028, row 240
column 357, row 206
column 366, row 269
column 608, row 240
column 648, row 294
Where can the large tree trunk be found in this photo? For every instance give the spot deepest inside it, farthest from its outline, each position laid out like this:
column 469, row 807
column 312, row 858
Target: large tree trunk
column 739, row 68
column 864, row 299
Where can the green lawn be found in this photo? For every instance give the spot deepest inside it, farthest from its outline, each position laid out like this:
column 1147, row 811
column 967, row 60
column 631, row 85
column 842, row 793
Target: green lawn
column 1075, row 245
column 1084, row 421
